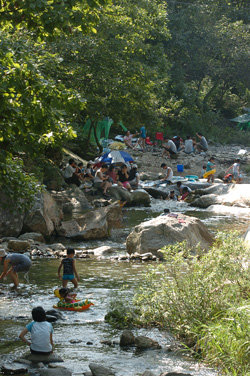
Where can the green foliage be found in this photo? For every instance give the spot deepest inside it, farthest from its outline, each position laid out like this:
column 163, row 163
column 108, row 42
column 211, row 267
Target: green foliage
column 203, row 300
column 120, row 70
column 19, row 186
column 46, row 18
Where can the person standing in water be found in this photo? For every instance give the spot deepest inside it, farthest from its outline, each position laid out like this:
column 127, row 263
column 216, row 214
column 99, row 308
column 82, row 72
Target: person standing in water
column 12, row 264
column 69, row 269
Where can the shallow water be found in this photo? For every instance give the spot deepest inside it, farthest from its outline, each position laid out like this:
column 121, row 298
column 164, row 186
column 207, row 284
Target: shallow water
column 99, row 282
column 100, row 279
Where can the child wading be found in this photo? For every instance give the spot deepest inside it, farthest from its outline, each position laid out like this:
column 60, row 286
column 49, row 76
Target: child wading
column 41, row 333
column 69, row 269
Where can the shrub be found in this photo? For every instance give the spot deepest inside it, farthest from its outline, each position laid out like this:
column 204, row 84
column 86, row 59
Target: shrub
column 202, row 299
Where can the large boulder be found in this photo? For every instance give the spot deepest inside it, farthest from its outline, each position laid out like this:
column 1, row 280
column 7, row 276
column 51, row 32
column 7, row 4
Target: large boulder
column 45, row 216
column 35, row 236
column 11, row 219
column 19, row 246
column 151, row 236
column 157, row 193
column 95, row 224
column 119, row 193
column 72, row 200
column 225, row 194
column 140, row 197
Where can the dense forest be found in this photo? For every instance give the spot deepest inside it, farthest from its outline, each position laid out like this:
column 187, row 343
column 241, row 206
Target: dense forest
column 179, row 66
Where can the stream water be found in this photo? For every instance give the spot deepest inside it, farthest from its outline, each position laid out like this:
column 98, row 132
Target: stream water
column 100, row 279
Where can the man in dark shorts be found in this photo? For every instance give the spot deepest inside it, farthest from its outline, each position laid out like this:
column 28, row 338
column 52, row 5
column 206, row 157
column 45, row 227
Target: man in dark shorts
column 14, row 263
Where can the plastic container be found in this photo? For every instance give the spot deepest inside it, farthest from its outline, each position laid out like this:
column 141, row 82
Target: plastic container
column 180, row 168
column 192, row 177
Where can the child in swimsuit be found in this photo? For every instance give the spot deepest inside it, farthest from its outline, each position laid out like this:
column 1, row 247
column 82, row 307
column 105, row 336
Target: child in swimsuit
column 69, row 269
column 67, row 296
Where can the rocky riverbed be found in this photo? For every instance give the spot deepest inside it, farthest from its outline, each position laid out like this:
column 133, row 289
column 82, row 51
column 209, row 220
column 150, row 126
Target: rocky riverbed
column 106, row 235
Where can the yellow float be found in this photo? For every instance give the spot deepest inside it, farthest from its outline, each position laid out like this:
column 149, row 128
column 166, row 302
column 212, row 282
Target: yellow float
column 208, row 173
column 77, row 305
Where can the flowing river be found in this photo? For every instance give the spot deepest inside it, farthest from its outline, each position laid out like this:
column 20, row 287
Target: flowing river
column 100, row 279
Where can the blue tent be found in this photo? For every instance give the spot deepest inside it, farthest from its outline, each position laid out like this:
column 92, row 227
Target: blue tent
column 116, row 156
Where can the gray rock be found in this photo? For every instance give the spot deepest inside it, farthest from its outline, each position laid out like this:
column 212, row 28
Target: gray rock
column 18, row 245
column 140, row 197
column 36, row 236
column 156, row 193
column 206, row 201
column 58, row 371
column 142, row 342
column 44, row 217
column 71, row 200
column 95, row 224
column 151, row 236
column 52, row 358
column 148, row 373
column 119, row 193
column 98, row 370
column 127, row 338
column 52, row 177
column 105, row 250
column 13, row 369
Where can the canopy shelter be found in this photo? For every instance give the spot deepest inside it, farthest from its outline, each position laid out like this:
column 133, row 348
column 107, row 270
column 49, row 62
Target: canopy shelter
column 116, row 156
column 102, row 130
column 243, row 121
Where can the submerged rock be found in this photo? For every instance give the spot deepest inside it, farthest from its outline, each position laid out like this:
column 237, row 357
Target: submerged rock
column 13, row 369
column 58, row 371
column 127, row 338
column 46, row 359
column 151, row 236
column 142, row 342
column 98, row 370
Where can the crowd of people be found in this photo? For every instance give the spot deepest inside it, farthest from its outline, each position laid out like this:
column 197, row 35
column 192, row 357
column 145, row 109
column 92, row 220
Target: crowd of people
column 102, row 176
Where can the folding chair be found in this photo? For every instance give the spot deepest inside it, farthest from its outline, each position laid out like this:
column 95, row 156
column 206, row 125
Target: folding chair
column 159, row 138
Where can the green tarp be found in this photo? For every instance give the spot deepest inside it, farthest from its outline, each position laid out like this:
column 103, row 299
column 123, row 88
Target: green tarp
column 102, row 130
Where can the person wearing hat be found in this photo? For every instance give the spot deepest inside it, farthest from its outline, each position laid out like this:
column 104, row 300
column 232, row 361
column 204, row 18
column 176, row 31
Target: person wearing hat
column 12, row 264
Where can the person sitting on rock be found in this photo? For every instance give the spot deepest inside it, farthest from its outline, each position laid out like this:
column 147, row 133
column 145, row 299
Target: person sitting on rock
column 178, row 143
column 89, row 173
column 12, row 264
column 185, row 193
column 112, row 174
column 128, row 139
column 180, row 187
column 169, row 148
column 70, row 173
column 235, row 171
column 172, row 196
column 101, row 179
column 134, row 177
column 123, row 177
column 41, row 333
column 202, row 145
column 169, row 173
column 189, row 146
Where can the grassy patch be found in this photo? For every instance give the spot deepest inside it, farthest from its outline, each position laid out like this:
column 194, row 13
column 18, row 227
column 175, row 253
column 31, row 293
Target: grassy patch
column 203, row 300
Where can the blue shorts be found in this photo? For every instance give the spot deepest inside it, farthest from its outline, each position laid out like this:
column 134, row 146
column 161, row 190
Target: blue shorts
column 68, row 277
